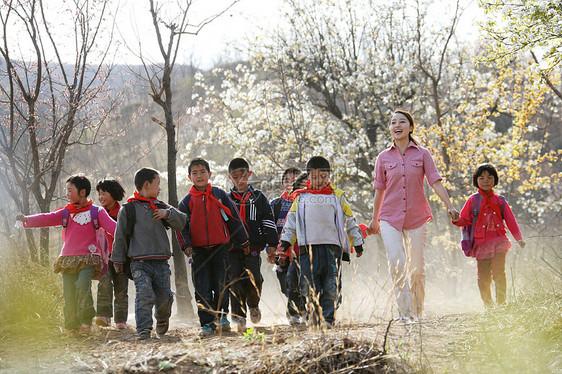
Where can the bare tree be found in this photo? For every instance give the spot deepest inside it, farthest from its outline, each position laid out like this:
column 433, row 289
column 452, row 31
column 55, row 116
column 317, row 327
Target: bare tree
column 169, row 35
column 49, row 105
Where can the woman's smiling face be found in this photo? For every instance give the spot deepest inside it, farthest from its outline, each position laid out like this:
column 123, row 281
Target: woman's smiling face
column 400, row 127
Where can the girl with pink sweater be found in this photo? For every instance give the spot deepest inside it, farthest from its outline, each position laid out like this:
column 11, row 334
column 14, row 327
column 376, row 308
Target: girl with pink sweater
column 490, row 243
column 79, row 259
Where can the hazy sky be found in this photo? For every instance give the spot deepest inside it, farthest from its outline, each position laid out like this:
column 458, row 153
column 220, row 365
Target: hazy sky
column 212, row 43
column 134, row 28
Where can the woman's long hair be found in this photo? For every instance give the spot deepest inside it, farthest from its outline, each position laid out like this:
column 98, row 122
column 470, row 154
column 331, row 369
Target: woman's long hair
column 410, row 119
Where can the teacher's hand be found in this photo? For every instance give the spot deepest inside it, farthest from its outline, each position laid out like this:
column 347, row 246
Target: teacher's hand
column 374, row 227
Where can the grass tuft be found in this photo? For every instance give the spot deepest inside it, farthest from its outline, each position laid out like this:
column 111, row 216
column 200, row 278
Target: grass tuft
column 30, row 298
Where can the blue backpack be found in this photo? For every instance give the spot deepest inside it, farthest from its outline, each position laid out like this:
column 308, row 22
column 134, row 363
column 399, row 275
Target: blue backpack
column 467, row 241
column 101, row 240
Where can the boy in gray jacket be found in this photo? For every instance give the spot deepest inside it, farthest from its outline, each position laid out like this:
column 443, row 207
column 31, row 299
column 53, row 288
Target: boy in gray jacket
column 148, row 248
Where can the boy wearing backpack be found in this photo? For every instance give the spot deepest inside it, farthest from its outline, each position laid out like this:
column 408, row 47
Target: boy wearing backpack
column 244, row 267
column 213, row 223
column 149, row 250
column 484, row 213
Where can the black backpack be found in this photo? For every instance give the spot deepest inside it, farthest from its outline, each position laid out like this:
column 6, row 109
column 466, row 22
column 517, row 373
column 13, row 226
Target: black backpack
column 130, row 229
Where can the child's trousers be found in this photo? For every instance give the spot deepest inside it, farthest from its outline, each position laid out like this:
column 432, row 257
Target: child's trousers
column 111, row 284
column 208, row 270
column 152, row 286
column 78, row 301
column 244, row 272
column 488, row 269
column 404, row 250
column 320, row 279
column 296, row 302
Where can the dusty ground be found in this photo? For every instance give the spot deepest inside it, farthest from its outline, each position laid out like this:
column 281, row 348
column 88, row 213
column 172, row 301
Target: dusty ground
column 108, row 350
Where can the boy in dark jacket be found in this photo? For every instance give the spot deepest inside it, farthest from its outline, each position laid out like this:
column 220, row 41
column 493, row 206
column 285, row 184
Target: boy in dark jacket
column 244, row 266
column 149, row 251
column 212, row 223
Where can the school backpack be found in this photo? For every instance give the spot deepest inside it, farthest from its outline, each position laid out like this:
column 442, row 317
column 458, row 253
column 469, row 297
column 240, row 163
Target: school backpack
column 131, row 219
column 101, row 239
column 467, row 241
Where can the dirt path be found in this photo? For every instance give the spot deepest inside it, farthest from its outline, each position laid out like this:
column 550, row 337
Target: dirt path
column 181, row 350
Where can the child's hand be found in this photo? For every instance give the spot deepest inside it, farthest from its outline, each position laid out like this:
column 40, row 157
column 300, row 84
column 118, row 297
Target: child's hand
column 246, row 249
column 358, row 250
column 118, row 268
column 271, row 254
column 455, row 220
column 160, row 214
column 455, row 216
column 188, row 251
column 282, row 261
column 21, row 218
column 521, row 243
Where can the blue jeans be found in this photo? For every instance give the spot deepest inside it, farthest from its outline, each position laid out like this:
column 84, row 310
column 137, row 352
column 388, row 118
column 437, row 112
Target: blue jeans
column 152, row 285
column 208, row 270
column 113, row 284
column 78, row 301
column 244, row 290
column 320, row 280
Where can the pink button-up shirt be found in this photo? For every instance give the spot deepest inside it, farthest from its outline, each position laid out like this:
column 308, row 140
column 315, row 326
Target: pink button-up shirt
column 404, row 205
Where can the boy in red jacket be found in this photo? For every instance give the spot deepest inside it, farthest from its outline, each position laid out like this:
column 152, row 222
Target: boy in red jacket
column 212, row 223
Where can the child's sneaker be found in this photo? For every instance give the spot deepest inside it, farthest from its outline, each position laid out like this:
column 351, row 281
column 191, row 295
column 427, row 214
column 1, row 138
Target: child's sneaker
column 294, row 321
column 206, row 331
column 240, row 323
column 162, row 327
column 103, row 321
column 255, row 315
column 121, row 325
column 144, row 335
column 224, row 324
column 85, row 329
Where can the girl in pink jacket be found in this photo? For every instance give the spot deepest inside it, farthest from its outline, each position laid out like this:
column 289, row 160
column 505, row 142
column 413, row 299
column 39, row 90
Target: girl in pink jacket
column 490, row 243
column 79, row 259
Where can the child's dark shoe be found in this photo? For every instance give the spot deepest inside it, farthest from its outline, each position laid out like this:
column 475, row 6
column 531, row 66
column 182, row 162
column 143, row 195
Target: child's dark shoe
column 144, row 335
column 162, row 327
column 224, row 324
column 206, row 331
column 255, row 315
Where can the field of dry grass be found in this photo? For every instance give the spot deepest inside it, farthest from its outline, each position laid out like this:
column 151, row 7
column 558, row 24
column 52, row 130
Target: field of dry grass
column 455, row 335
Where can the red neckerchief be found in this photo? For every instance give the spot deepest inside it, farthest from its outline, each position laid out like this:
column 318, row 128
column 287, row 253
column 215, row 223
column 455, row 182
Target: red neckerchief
column 328, row 190
column 287, row 196
column 487, row 200
column 139, row 197
column 74, row 209
column 114, row 211
column 209, row 196
column 242, row 199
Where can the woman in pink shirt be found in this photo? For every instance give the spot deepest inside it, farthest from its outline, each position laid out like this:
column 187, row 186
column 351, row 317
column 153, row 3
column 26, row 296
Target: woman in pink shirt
column 401, row 211
column 79, row 259
column 490, row 243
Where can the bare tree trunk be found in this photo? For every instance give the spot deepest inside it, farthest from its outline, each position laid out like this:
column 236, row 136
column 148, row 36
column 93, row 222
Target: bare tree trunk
column 183, row 295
